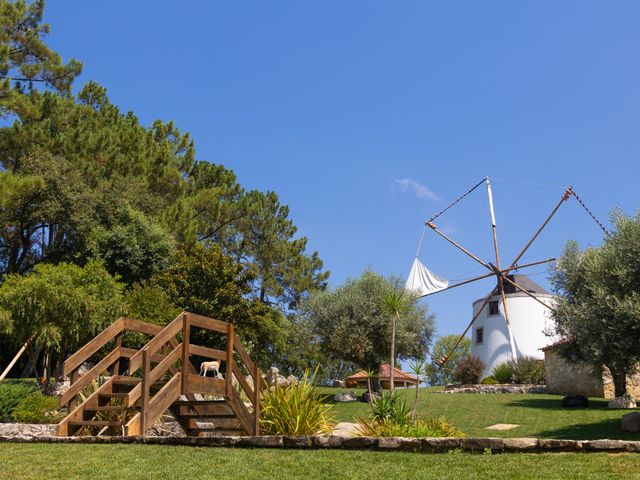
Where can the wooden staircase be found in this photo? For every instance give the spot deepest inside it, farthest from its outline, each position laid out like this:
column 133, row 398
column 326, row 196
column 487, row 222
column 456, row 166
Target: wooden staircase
column 161, row 377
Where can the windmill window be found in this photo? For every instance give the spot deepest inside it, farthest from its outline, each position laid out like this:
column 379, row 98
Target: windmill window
column 493, row 308
column 479, row 335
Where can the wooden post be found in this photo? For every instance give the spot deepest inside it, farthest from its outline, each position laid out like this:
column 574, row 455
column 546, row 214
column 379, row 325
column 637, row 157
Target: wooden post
column 567, row 193
column 228, row 377
column 457, row 245
column 15, row 359
column 500, row 276
column 186, row 334
column 73, row 379
column 256, row 400
column 144, row 401
column 115, row 369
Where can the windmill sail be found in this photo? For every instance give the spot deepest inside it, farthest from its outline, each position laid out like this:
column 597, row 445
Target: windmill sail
column 423, row 281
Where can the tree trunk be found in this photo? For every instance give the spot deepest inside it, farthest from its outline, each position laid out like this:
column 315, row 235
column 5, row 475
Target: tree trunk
column 392, row 364
column 619, row 381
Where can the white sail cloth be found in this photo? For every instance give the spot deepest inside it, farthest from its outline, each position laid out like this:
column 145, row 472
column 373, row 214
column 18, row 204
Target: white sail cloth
column 423, row 281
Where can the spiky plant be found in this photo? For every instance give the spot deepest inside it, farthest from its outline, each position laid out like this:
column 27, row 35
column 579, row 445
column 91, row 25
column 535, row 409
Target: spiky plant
column 297, row 409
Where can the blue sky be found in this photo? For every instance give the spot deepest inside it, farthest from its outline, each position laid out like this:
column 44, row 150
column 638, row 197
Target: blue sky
column 367, row 117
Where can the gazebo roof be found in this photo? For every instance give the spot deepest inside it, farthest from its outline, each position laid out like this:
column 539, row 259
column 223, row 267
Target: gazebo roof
column 384, row 374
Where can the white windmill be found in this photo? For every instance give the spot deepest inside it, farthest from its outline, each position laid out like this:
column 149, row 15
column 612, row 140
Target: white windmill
column 511, row 318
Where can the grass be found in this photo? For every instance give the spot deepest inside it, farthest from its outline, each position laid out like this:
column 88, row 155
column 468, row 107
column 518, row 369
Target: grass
column 538, row 415
column 124, row 462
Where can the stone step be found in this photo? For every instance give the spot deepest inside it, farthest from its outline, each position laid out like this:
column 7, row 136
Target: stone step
column 222, row 433
column 216, row 423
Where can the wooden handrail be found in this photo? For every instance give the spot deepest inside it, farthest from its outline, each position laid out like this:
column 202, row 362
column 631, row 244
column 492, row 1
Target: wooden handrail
column 207, row 323
column 99, row 341
column 90, row 376
column 207, row 352
column 168, row 332
column 251, row 366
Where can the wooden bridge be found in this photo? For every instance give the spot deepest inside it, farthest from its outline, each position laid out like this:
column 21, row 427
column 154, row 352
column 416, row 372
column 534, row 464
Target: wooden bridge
column 159, row 377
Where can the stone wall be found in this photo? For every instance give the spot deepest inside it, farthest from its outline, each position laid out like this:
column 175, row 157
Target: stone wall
column 564, row 378
column 423, row 445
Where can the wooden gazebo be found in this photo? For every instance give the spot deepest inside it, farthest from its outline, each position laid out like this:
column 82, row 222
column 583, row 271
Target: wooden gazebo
column 400, row 378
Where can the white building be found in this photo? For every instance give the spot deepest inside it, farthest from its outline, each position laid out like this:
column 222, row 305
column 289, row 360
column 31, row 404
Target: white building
column 528, row 319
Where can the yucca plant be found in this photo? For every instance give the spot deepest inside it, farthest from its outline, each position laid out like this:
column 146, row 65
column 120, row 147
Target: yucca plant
column 296, row 409
column 503, row 372
column 389, row 408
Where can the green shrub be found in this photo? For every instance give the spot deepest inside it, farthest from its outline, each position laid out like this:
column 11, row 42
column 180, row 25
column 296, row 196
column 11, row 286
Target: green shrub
column 37, row 408
column 503, row 372
column 11, row 392
column 431, row 427
column 389, row 408
column 528, row 370
column 489, row 381
column 468, row 370
column 295, row 410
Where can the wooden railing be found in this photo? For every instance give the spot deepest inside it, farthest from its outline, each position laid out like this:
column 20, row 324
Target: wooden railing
column 165, row 363
column 184, row 378
column 111, row 362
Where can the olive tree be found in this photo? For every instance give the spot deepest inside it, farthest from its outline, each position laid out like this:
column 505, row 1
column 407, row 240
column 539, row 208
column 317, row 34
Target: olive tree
column 352, row 324
column 599, row 301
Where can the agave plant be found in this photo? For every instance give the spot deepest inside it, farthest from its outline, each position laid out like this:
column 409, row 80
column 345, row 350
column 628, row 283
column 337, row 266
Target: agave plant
column 297, row 409
column 390, row 408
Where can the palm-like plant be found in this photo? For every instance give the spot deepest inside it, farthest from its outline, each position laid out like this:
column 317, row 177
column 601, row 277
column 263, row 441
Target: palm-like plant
column 418, row 368
column 394, row 305
column 370, row 373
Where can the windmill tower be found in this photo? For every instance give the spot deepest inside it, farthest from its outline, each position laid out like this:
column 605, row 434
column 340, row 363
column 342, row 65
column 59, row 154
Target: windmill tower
column 528, row 319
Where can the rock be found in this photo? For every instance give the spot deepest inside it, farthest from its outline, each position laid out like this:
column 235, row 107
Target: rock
column 575, row 401
column 497, row 388
column 623, row 402
column 366, row 396
column 292, row 380
column 273, row 378
column 28, row 429
column 345, row 397
column 84, row 368
column 272, row 375
column 339, row 384
column 60, row 387
column 631, row 422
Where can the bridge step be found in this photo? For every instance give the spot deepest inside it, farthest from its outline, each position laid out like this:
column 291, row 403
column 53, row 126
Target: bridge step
column 111, row 408
column 202, row 409
column 126, row 380
column 95, row 423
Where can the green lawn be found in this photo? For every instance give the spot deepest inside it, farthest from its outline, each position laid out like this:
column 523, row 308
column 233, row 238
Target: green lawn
column 538, row 415
column 123, row 462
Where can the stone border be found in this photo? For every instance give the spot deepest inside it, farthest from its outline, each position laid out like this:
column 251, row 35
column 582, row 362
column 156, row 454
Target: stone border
column 423, row 445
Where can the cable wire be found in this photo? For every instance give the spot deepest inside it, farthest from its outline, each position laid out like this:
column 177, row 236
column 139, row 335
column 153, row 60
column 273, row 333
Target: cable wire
column 456, row 201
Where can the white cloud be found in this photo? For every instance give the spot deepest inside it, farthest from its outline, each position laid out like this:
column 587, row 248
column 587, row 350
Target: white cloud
column 418, row 189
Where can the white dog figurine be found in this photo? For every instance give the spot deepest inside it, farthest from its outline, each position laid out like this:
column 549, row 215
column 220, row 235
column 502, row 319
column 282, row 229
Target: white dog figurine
column 206, row 367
